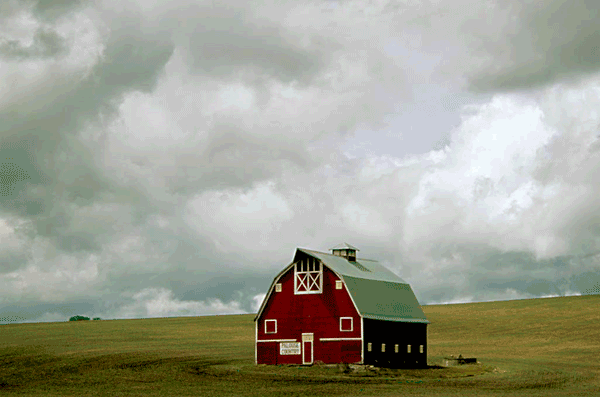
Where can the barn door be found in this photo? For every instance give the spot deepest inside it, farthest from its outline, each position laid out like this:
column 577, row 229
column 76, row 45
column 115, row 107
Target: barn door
column 307, row 348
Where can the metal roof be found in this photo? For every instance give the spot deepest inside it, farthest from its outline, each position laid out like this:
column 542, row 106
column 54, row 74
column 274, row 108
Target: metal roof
column 344, row 246
column 344, row 267
column 378, row 293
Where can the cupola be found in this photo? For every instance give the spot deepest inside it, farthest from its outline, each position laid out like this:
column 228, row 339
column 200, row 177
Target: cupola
column 345, row 250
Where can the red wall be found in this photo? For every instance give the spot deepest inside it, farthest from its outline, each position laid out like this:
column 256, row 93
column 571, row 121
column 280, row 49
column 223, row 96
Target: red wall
column 316, row 313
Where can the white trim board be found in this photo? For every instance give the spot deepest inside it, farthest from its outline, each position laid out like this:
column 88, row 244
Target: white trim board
column 277, row 340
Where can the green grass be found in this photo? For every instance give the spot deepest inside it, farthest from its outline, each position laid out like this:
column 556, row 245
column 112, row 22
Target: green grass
column 538, row 347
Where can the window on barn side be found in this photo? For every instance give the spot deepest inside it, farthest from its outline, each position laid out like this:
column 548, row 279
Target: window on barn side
column 308, row 276
column 369, row 346
column 408, row 348
column 278, row 287
column 270, row 326
column 346, row 324
column 338, row 284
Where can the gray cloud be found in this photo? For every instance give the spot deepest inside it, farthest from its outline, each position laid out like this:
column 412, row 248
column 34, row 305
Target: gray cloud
column 175, row 166
column 544, row 43
column 46, row 44
column 228, row 43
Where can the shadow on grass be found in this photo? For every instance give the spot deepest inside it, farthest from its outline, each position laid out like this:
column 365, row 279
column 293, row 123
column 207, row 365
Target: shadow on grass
column 33, row 368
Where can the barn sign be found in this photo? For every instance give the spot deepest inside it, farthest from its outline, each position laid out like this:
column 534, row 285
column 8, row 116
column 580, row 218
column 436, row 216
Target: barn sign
column 289, row 348
column 339, row 308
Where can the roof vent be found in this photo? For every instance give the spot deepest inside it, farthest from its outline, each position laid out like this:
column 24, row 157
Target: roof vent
column 345, row 250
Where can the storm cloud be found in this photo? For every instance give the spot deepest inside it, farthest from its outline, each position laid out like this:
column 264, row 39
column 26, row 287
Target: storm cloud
column 166, row 158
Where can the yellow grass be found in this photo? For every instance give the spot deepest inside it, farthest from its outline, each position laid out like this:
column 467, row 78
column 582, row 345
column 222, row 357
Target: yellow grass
column 538, row 347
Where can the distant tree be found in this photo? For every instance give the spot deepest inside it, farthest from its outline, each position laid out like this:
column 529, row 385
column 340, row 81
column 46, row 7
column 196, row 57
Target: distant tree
column 97, row 318
column 79, row 318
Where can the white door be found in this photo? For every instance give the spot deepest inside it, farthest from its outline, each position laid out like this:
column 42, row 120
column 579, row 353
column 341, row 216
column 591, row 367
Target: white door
column 307, row 348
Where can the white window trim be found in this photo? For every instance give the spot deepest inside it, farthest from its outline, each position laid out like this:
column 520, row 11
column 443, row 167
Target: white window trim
column 420, row 348
column 395, row 348
column 369, row 346
column 266, row 327
column 351, row 324
column 383, row 347
column 278, row 287
column 339, row 284
column 319, row 274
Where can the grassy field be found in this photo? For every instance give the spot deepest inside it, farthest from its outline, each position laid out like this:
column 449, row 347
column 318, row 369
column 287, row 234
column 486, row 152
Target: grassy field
column 538, row 347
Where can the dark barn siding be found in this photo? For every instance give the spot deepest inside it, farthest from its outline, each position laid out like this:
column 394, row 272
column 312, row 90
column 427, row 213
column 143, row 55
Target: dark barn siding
column 392, row 333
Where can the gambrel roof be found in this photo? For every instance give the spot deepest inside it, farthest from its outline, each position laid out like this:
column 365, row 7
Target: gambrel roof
column 377, row 292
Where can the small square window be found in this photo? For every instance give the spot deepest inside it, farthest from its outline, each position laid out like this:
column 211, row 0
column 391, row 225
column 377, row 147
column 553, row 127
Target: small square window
column 346, row 324
column 383, row 347
column 408, row 349
column 338, row 284
column 421, row 349
column 278, row 287
column 270, row 326
column 369, row 346
column 396, row 348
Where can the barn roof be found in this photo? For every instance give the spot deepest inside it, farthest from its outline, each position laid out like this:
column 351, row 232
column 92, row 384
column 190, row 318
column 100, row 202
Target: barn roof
column 378, row 293
column 344, row 246
column 361, row 268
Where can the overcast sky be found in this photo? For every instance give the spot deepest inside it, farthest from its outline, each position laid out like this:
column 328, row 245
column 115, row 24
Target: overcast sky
column 166, row 158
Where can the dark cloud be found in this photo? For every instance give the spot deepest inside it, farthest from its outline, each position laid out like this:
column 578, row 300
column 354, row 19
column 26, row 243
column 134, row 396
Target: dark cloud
column 51, row 10
column 482, row 275
column 133, row 60
column 262, row 158
column 31, row 310
column 10, row 174
column 56, row 171
column 13, row 259
column 545, row 43
column 46, row 44
column 226, row 43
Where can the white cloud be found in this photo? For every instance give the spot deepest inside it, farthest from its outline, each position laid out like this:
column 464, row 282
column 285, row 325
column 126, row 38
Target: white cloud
column 250, row 220
column 53, row 279
column 50, row 317
column 160, row 302
column 485, row 188
column 257, row 301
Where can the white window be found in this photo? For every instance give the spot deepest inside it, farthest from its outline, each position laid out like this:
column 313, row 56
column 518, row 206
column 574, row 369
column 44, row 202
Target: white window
column 270, row 326
column 278, row 287
column 408, row 349
column 308, row 276
column 346, row 324
column 396, row 348
column 383, row 347
column 338, row 284
column 421, row 349
column 369, row 346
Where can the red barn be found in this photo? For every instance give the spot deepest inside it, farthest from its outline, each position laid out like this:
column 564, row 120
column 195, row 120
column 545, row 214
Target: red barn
column 337, row 308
